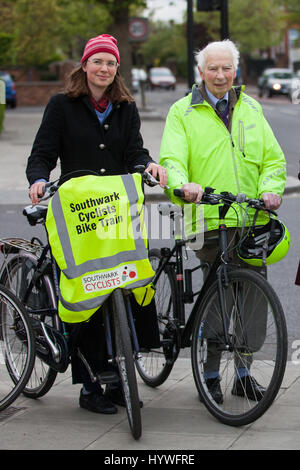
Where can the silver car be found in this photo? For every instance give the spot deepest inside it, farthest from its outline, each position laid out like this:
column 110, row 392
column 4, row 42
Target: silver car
column 275, row 81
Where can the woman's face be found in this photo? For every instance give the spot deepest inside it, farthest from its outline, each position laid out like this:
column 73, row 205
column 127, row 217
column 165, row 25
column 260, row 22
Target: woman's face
column 100, row 69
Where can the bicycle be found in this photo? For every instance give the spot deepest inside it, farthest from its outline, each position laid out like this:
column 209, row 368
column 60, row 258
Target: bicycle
column 30, row 270
column 17, row 348
column 219, row 324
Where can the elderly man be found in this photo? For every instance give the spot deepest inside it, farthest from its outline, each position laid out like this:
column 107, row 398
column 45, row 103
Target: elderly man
column 217, row 136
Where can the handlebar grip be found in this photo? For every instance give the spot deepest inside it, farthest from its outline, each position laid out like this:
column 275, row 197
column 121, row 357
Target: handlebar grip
column 179, row 193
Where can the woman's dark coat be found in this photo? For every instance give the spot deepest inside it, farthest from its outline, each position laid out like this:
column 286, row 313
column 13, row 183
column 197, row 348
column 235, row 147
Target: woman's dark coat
column 71, row 131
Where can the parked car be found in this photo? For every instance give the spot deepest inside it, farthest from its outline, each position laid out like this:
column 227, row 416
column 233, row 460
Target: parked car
column 161, row 77
column 137, row 75
column 275, row 82
column 10, row 89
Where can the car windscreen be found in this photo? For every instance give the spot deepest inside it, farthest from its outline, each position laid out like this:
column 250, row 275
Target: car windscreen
column 281, row 75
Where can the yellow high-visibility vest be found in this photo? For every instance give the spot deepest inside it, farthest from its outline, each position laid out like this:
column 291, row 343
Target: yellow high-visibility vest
column 98, row 238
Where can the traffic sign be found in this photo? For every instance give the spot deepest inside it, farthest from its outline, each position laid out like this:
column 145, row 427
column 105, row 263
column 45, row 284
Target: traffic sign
column 138, row 29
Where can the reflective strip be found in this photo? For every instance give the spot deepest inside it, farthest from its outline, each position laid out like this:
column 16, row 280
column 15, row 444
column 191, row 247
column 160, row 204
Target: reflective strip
column 96, row 302
column 83, row 305
column 61, row 228
column 73, row 271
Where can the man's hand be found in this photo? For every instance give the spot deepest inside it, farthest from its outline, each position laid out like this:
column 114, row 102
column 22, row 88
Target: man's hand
column 192, row 192
column 158, row 172
column 272, row 201
column 36, row 192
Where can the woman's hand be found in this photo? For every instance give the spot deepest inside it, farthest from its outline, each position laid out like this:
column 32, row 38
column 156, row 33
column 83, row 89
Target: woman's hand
column 158, row 172
column 36, row 191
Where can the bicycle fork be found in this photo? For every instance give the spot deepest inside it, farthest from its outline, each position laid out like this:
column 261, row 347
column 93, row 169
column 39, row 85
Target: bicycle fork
column 223, row 283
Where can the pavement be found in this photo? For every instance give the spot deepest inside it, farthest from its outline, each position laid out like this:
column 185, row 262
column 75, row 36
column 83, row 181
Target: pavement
column 173, row 419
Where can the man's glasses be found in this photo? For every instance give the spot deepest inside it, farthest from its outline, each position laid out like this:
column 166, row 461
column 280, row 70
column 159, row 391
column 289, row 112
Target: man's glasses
column 110, row 64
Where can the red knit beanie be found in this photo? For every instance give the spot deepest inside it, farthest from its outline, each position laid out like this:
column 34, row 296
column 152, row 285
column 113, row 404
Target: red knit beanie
column 102, row 43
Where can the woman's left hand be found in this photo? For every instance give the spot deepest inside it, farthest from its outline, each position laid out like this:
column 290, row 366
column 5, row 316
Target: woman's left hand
column 158, row 172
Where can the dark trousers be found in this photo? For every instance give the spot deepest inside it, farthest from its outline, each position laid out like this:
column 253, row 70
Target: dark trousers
column 90, row 338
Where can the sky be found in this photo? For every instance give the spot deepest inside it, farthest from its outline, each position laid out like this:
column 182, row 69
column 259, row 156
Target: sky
column 167, row 10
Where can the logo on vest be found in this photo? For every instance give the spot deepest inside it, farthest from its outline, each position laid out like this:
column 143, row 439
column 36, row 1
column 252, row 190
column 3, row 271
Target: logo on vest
column 109, row 279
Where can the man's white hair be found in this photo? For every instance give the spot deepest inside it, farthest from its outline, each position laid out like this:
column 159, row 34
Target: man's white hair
column 226, row 45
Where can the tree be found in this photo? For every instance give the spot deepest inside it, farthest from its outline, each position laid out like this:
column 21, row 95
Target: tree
column 36, row 31
column 251, row 25
column 166, row 46
column 119, row 11
column 85, row 19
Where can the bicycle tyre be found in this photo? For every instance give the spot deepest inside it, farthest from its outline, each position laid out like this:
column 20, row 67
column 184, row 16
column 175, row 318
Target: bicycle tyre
column 43, row 376
column 17, row 350
column 267, row 360
column 125, row 362
column 154, row 366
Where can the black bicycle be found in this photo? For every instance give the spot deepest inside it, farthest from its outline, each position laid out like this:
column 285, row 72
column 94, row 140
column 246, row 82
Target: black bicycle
column 30, row 271
column 236, row 323
column 17, row 347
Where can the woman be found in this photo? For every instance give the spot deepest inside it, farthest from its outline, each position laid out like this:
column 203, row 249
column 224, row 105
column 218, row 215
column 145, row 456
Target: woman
column 93, row 126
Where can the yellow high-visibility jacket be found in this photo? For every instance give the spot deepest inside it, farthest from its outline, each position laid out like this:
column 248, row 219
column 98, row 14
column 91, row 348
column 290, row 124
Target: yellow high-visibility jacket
column 97, row 236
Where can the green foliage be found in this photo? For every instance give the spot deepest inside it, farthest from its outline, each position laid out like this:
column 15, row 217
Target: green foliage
column 36, row 31
column 166, row 46
column 6, row 42
column 255, row 24
column 79, row 21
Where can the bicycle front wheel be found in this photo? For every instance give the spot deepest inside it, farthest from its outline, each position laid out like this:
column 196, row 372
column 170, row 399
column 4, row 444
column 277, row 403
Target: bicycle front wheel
column 125, row 362
column 154, row 366
column 17, row 348
column 249, row 343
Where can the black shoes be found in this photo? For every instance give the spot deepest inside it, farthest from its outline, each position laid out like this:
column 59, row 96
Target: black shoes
column 97, row 403
column 247, row 386
column 115, row 395
column 214, row 389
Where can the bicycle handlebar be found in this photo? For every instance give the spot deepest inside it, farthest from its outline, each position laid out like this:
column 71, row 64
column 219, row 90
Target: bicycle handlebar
column 209, row 197
column 51, row 187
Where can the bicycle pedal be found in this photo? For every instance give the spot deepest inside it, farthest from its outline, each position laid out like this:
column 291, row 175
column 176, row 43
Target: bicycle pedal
column 108, row 377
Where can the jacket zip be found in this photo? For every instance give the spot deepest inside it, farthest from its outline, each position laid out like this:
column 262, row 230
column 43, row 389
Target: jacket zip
column 232, row 152
column 242, row 138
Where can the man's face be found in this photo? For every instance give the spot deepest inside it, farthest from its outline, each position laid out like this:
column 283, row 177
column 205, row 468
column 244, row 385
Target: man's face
column 218, row 73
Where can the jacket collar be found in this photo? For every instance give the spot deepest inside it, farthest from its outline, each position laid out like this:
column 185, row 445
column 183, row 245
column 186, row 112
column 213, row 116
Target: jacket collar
column 199, row 94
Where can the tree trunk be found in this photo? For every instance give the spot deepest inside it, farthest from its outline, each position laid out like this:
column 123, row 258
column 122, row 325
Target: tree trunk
column 119, row 29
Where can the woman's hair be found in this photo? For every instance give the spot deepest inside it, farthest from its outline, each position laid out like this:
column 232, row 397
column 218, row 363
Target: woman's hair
column 77, row 85
column 225, row 46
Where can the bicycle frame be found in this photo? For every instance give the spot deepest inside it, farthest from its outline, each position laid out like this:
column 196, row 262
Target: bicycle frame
column 216, row 270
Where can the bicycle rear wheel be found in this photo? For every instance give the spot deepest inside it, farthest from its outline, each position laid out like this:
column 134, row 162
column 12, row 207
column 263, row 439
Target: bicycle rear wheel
column 154, row 366
column 257, row 347
column 16, row 276
column 17, row 348
column 125, row 362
